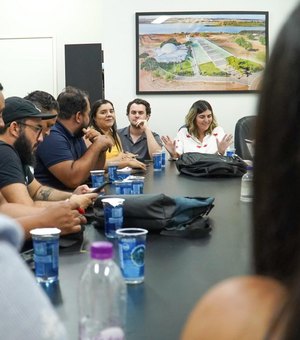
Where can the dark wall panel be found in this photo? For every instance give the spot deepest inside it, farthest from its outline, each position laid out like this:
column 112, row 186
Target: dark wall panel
column 83, row 65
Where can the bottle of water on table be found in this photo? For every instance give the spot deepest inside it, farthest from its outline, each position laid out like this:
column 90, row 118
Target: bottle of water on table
column 247, row 185
column 102, row 296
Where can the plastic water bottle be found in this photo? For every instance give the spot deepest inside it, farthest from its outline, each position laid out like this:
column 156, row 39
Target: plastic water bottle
column 230, row 151
column 102, row 297
column 247, row 185
column 163, row 158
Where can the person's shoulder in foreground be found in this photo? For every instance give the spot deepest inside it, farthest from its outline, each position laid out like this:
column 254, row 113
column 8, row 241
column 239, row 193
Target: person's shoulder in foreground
column 238, row 308
column 26, row 312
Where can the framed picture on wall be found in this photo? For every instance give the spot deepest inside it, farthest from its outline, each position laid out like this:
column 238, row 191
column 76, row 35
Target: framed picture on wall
column 198, row 52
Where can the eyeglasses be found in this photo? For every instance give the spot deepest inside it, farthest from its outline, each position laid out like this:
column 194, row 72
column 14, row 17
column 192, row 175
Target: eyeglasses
column 37, row 129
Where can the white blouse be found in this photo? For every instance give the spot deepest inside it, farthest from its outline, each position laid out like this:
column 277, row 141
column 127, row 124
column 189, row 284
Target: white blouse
column 185, row 142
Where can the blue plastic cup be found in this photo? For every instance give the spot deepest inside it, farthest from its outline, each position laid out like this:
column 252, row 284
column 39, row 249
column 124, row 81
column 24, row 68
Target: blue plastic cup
column 132, row 245
column 123, row 174
column 123, row 187
column 113, row 215
column 46, row 253
column 137, row 185
column 112, row 168
column 157, row 157
column 163, row 159
column 97, row 177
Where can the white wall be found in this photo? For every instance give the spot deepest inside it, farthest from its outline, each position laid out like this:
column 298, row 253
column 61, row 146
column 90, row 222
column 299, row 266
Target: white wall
column 169, row 110
column 112, row 22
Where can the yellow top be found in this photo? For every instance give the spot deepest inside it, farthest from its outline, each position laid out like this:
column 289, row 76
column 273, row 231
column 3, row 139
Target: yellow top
column 113, row 153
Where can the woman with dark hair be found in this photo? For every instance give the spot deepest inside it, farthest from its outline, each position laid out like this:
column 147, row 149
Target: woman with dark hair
column 266, row 305
column 200, row 133
column 103, row 119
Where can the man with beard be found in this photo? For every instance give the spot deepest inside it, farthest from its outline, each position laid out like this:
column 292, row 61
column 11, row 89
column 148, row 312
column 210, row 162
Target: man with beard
column 19, row 137
column 63, row 214
column 138, row 138
column 25, row 308
column 63, row 160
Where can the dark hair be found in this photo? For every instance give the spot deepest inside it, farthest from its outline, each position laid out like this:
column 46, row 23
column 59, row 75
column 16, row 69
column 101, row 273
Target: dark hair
column 198, row 107
column 4, row 128
column 72, row 100
column 276, row 213
column 43, row 100
column 139, row 101
column 1, row 87
column 93, row 113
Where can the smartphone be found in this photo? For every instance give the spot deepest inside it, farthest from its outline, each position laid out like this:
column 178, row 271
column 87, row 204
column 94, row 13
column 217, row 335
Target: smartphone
column 98, row 189
column 28, row 257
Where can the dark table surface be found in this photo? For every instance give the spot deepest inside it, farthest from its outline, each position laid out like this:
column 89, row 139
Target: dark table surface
column 178, row 271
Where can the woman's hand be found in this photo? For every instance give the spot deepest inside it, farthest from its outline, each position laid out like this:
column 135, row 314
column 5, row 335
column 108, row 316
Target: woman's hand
column 170, row 146
column 124, row 156
column 224, row 143
column 134, row 163
column 129, row 155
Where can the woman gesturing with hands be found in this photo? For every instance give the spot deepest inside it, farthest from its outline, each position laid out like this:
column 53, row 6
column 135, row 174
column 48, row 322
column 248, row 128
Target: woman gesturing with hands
column 199, row 134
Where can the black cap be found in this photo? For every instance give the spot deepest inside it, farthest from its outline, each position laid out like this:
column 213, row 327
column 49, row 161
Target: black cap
column 17, row 108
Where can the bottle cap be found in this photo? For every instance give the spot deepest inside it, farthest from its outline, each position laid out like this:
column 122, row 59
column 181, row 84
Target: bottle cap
column 102, row 250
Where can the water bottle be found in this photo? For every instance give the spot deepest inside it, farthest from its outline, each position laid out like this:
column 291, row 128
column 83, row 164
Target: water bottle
column 230, row 151
column 247, row 185
column 163, row 158
column 102, row 297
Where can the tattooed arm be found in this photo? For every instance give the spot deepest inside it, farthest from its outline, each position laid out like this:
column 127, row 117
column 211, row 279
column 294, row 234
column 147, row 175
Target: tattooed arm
column 35, row 194
column 27, row 195
column 44, row 196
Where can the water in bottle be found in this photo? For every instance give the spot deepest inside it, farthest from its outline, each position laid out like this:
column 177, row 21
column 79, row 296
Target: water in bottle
column 102, row 297
column 246, row 185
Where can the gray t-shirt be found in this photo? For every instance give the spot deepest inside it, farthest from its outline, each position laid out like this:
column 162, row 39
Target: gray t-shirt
column 140, row 147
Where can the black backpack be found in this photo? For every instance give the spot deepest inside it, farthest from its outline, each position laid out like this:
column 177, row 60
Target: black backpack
column 210, row 165
column 172, row 216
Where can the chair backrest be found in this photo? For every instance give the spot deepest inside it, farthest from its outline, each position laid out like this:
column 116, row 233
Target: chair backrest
column 244, row 129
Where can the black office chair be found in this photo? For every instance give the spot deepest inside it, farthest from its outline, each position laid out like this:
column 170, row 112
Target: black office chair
column 244, row 129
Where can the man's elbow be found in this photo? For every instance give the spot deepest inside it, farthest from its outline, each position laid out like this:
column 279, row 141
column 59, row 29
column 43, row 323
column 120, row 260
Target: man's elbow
column 72, row 182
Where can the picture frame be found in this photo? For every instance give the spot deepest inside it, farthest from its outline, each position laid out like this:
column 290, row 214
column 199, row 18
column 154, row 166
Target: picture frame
column 201, row 52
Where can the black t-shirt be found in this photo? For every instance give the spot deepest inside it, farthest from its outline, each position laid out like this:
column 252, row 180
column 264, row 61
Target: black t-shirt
column 11, row 168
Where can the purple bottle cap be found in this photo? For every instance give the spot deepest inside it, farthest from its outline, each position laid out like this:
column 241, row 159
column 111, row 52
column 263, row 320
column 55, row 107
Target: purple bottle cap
column 102, row 250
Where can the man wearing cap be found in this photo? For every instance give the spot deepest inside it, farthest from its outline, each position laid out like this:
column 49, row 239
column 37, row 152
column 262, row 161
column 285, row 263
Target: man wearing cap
column 19, row 137
column 63, row 160
column 138, row 138
column 62, row 214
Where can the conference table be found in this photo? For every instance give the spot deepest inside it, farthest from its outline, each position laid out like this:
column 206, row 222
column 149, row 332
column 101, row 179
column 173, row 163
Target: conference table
column 178, row 271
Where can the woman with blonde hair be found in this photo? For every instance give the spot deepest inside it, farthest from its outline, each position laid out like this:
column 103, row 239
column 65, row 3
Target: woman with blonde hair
column 200, row 133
